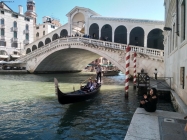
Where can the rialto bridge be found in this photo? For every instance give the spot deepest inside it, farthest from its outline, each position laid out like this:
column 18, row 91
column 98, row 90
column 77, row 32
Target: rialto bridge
column 59, row 51
column 74, row 53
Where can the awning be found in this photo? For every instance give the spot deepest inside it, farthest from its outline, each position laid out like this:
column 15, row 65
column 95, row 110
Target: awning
column 15, row 56
column 4, row 56
column 3, row 62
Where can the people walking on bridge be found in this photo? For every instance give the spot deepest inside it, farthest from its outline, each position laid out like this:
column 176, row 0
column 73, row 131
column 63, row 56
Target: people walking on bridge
column 156, row 73
column 98, row 71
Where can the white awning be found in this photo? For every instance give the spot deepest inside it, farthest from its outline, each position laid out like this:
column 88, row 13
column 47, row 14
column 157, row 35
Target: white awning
column 4, row 56
column 3, row 62
column 15, row 56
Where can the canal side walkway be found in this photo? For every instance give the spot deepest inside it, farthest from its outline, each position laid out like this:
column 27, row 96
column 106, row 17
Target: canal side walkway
column 159, row 125
column 13, row 71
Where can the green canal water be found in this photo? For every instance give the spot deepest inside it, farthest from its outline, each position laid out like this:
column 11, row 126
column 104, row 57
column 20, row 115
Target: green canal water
column 29, row 108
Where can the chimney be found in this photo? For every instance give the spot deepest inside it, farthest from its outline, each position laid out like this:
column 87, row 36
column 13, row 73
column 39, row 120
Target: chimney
column 20, row 9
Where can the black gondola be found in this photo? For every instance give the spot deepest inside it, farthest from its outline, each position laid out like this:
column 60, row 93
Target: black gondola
column 76, row 96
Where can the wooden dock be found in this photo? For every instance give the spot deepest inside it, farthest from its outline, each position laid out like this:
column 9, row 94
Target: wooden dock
column 144, row 82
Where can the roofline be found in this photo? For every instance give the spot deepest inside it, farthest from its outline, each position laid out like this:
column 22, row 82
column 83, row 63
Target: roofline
column 126, row 19
column 7, row 6
column 15, row 13
column 81, row 8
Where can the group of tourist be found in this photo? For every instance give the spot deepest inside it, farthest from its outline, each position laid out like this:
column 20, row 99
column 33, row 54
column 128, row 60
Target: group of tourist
column 92, row 84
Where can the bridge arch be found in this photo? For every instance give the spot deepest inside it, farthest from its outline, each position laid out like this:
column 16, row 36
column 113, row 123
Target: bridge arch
column 40, row 44
column 77, row 61
column 155, row 39
column 120, row 34
column 55, row 36
column 94, row 31
column 64, row 33
column 34, row 47
column 137, row 36
column 106, row 32
column 47, row 41
column 28, row 50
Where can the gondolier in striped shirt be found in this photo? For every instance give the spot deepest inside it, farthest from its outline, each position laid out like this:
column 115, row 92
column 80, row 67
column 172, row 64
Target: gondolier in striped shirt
column 98, row 71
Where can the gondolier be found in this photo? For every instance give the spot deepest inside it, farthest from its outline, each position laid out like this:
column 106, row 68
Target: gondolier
column 98, row 71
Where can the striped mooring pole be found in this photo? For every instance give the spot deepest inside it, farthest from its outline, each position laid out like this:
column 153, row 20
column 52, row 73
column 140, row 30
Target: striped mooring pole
column 134, row 80
column 127, row 71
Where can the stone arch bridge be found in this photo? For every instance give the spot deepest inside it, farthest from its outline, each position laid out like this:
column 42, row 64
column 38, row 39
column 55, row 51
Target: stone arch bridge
column 74, row 53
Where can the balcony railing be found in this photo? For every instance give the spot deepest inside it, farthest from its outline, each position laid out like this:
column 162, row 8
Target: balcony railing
column 2, row 25
column 26, row 31
column 15, row 40
column 26, row 41
column 2, row 38
column 14, row 28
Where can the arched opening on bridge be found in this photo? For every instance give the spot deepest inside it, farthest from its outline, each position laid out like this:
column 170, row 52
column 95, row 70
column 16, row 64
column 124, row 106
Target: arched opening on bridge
column 55, row 36
column 64, row 33
column 34, row 47
column 94, row 31
column 47, row 41
column 78, row 24
column 40, row 44
column 155, row 39
column 106, row 33
column 28, row 50
column 137, row 37
column 120, row 34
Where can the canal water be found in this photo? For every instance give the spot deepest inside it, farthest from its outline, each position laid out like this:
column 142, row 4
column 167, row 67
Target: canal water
column 29, row 108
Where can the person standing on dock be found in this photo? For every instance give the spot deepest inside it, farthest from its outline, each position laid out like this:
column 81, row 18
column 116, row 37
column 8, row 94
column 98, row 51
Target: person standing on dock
column 98, row 71
column 156, row 73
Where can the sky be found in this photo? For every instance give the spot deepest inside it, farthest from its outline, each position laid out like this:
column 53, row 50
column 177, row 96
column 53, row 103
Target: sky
column 136, row 9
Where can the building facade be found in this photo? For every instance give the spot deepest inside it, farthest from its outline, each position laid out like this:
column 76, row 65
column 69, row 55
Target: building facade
column 175, row 45
column 16, row 31
column 49, row 24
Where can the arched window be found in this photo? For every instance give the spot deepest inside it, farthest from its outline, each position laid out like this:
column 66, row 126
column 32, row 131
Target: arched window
column 94, row 31
column 40, row 44
column 106, row 33
column 155, row 39
column 37, row 34
column 55, row 36
column 2, row 32
column 34, row 47
column 43, row 32
column 2, row 21
column 47, row 41
column 27, row 36
column 27, row 27
column 64, row 33
column 120, row 34
column 15, row 24
column 15, row 34
column 28, row 50
column 137, row 37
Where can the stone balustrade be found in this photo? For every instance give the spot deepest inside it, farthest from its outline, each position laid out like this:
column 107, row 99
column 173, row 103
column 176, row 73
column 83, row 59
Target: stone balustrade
column 100, row 43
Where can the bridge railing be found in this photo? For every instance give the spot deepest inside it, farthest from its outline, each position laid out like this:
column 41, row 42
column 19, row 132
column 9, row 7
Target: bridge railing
column 100, row 43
